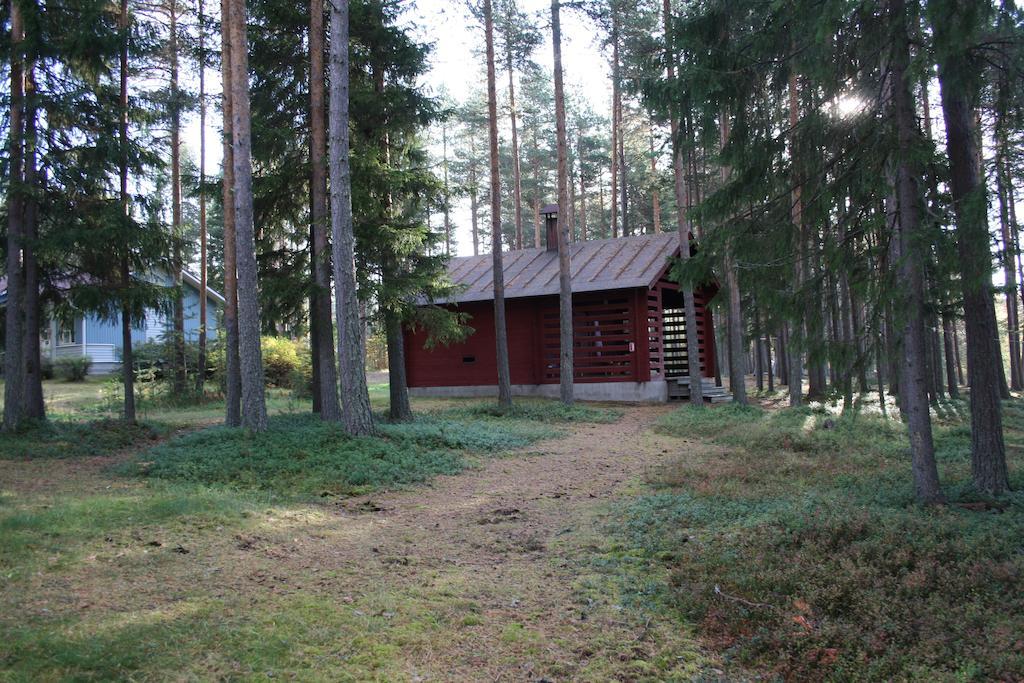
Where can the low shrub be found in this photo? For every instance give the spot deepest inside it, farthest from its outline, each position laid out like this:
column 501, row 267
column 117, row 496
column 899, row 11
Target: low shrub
column 301, row 455
column 47, row 368
column 57, row 439
column 73, row 368
column 287, row 364
column 798, row 549
column 298, row 455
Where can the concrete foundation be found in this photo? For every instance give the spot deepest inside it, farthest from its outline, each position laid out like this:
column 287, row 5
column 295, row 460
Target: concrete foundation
column 628, row 392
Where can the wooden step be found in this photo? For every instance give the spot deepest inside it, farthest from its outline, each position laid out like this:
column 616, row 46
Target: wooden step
column 680, row 389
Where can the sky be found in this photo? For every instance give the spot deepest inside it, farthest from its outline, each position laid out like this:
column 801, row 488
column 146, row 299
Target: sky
column 456, row 67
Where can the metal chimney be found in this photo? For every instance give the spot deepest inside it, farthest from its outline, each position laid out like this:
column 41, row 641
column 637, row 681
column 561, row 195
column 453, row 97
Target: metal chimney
column 551, row 224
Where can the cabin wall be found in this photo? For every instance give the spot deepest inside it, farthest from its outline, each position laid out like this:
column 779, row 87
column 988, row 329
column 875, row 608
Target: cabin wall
column 619, row 338
column 473, row 362
column 607, row 330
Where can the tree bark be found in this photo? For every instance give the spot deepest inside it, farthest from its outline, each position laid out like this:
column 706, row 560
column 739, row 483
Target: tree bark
column 913, row 385
column 682, row 193
column 35, row 407
column 447, row 193
column 583, row 190
column 203, row 270
column 655, row 196
column 501, row 334
column 127, row 358
column 14, row 406
column 565, row 324
column 399, row 409
column 178, row 372
column 737, row 361
column 620, row 147
column 474, row 200
column 232, row 370
column 988, row 453
column 1009, row 271
column 355, row 398
column 327, row 369
column 517, row 184
column 254, row 409
column 952, row 383
column 794, row 341
column 614, row 194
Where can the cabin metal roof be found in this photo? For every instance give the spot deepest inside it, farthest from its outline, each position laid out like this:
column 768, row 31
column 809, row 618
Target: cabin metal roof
column 597, row 265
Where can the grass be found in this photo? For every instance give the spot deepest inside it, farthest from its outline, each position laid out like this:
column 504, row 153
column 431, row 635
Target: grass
column 61, row 527
column 793, row 540
column 300, row 455
column 141, row 577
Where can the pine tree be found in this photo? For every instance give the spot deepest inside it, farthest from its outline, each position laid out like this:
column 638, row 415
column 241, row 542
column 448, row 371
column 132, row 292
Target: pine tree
column 355, row 397
column 954, row 23
column 14, row 406
column 233, row 373
column 908, row 238
column 321, row 321
column 518, row 40
column 565, row 327
column 682, row 197
column 501, row 334
column 254, row 411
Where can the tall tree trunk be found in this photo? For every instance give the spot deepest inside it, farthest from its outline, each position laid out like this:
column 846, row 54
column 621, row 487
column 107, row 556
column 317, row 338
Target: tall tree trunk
column 849, row 343
column 327, row 369
column 203, row 270
column 35, row 408
column 758, row 350
column 988, row 453
column 447, row 193
column 127, row 358
column 500, row 329
column 14, row 406
column 655, row 198
column 178, row 374
column 355, row 397
column 566, row 376
column 795, row 340
column 1008, row 258
column 620, row 149
column 782, row 353
column 254, row 409
column 583, row 190
column 913, row 386
column 535, row 164
column 233, row 372
column 614, row 194
column 737, row 361
column 682, row 193
column 952, row 383
column 399, row 409
column 517, row 181
column 474, row 196
column 914, row 382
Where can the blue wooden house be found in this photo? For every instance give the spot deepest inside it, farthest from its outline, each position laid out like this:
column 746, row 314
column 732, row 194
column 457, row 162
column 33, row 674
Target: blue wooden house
column 89, row 335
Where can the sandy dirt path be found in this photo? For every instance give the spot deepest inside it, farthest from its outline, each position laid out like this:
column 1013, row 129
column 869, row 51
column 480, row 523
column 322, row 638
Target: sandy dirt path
column 490, row 575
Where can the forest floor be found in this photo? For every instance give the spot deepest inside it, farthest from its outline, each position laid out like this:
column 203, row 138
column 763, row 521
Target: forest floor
column 594, row 554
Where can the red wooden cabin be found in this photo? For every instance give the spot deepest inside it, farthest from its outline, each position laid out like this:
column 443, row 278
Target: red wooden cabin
column 629, row 332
